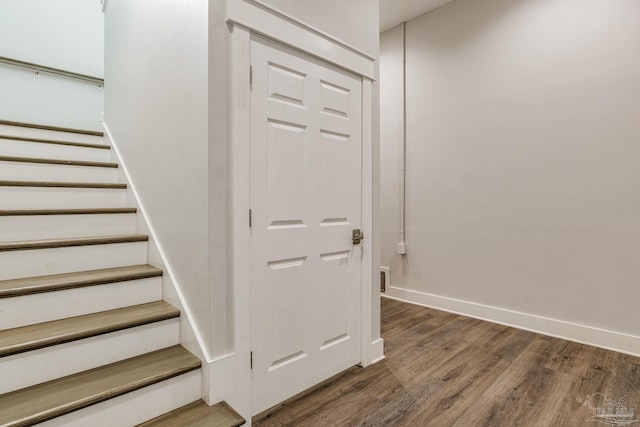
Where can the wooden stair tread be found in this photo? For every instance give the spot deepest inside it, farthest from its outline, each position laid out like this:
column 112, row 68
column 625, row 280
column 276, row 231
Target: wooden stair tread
column 27, row 338
column 118, row 186
column 76, row 241
column 55, row 141
column 58, row 162
column 58, row 397
column 85, row 211
column 51, row 127
column 198, row 414
column 55, row 282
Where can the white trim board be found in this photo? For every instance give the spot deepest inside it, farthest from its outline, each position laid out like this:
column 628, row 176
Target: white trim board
column 376, row 351
column 276, row 26
column 583, row 334
column 237, row 391
column 263, row 4
column 227, row 377
column 372, row 345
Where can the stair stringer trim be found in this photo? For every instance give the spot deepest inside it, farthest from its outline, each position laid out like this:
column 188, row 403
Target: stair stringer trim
column 190, row 335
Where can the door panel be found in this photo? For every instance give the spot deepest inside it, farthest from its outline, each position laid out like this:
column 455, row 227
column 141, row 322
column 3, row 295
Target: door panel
column 287, row 320
column 334, row 279
column 334, row 179
column 305, row 200
column 286, row 183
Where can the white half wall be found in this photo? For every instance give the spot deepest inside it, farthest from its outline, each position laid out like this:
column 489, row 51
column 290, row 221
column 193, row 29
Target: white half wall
column 156, row 108
column 65, row 34
column 522, row 175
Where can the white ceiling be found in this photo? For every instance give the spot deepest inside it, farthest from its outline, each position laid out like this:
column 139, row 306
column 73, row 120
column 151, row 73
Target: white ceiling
column 394, row 12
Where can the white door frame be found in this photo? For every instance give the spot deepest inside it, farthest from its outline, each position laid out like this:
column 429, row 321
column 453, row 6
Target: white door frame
column 234, row 370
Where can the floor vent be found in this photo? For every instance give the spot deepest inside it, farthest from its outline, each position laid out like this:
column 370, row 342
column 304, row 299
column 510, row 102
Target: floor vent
column 384, row 278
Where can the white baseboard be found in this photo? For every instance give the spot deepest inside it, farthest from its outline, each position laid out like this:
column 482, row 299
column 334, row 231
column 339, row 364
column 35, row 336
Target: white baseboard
column 583, row 334
column 229, row 379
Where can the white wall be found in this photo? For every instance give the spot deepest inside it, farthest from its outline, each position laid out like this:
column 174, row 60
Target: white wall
column 66, row 34
column 49, row 100
column 221, row 217
column 156, row 109
column 523, row 160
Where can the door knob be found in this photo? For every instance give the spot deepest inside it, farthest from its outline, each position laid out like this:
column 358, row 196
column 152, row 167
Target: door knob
column 357, row 236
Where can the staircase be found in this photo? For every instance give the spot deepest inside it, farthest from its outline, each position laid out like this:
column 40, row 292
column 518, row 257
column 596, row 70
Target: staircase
column 85, row 338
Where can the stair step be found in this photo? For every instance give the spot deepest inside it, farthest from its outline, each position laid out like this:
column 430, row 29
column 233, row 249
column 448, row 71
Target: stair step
column 118, row 186
column 19, row 340
column 50, row 128
column 60, row 256
column 58, row 161
column 55, row 141
column 65, row 243
column 33, row 309
column 198, row 414
column 90, row 211
column 21, row 146
column 61, row 198
column 17, row 228
column 136, row 407
column 22, row 370
column 25, row 225
column 57, row 282
column 22, row 168
column 64, row 395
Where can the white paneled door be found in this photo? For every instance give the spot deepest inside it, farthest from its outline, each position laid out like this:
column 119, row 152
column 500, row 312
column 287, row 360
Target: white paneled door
column 306, row 200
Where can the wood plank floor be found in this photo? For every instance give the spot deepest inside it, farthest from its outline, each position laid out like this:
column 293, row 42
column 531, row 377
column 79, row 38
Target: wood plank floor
column 442, row 369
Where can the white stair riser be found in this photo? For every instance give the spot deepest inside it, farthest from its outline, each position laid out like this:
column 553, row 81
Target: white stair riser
column 42, row 262
column 34, row 367
column 49, row 134
column 13, row 148
column 60, row 198
column 45, row 307
column 41, row 227
column 25, row 171
column 136, row 407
